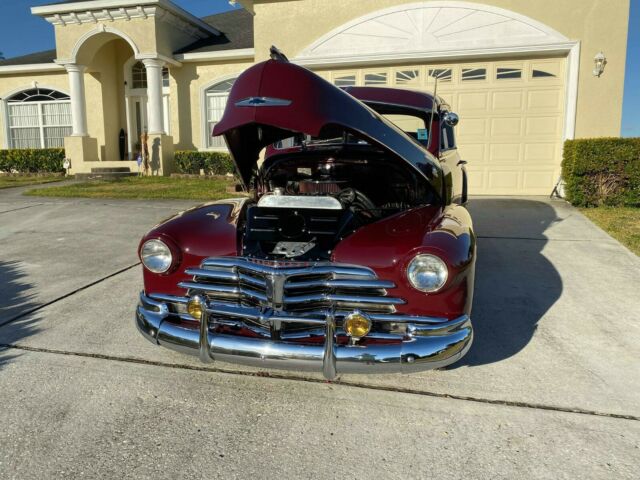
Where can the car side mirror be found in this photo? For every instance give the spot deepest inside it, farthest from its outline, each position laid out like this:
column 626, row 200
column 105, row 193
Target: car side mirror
column 451, row 119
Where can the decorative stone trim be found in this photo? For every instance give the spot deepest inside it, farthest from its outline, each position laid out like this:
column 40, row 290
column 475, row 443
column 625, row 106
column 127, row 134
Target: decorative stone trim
column 111, row 11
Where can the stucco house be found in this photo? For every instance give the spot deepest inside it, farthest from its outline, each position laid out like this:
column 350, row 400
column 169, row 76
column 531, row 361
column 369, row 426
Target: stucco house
column 519, row 73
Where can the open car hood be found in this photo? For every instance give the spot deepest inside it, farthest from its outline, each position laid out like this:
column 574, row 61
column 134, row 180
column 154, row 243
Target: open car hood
column 274, row 100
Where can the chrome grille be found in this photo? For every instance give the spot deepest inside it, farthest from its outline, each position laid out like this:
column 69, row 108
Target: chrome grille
column 291, row 286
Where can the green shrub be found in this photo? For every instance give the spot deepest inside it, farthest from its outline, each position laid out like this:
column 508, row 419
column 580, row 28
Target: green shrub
column 32, row 160
column 213, row 163
column 602, row 171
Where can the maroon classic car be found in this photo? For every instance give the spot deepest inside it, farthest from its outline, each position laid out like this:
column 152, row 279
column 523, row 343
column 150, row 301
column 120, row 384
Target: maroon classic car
column 352, row 254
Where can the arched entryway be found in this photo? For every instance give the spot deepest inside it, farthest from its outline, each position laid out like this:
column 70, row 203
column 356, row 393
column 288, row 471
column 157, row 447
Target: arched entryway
column 115, row 89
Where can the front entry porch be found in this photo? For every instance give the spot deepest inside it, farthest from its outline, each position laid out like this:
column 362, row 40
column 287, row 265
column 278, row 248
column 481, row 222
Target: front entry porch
column 123, row 93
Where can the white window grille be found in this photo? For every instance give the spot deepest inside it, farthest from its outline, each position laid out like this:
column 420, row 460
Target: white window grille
column 407, row 77
column 216, row 100
column 139, row 76
column 38, row 118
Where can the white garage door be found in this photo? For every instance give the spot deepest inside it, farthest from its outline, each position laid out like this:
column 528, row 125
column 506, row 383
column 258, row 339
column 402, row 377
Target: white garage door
column 511, row 117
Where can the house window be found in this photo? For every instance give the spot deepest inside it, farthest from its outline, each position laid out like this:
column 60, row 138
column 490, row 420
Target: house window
column 216, row 100
column 139, row 76
column 407, row 77
column 345, row 81
column 508, row 72
column 474, row 74
column 375, row 78
column 38, row 118
column 442, row 74
column 541, row 73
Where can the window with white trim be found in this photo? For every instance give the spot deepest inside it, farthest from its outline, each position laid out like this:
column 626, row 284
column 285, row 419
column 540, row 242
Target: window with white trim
column 216, row 100
column 38, row 118
column 139, row 76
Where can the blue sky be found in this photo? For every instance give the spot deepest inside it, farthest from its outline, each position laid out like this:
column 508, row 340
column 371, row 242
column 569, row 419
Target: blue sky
column 22, row 33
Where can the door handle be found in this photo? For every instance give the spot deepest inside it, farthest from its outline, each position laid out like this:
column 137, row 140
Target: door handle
column 461, row 162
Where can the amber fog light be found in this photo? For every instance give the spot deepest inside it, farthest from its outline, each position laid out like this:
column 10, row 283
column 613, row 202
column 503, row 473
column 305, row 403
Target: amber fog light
column 195, row 307
column 357, row 325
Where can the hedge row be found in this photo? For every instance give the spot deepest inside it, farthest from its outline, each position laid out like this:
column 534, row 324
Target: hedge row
column 32, row 160
column 602, row 171
column 212, row 163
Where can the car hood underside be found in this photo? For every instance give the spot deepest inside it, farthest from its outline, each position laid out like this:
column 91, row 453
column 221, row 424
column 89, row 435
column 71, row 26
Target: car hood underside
column 274, row 100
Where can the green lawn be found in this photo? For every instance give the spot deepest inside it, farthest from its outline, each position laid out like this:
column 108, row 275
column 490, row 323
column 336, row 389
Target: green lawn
column 8, row 181
column 622, row 223
column 143, row 188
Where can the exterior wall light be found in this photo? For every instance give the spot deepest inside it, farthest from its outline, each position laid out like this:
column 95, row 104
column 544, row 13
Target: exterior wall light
column 600, row 61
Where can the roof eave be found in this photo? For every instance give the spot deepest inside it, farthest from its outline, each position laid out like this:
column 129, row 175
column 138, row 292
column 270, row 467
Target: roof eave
column 48, row 10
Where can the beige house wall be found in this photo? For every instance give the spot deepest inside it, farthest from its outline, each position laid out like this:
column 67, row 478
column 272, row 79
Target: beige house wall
column 599, row 25
column 188, row 84
column 141, row 32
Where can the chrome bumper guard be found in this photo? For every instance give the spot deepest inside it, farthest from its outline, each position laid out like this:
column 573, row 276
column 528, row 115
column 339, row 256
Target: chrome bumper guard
column 428, row 342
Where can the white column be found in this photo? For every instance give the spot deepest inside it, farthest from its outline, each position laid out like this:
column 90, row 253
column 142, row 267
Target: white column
column 78, row 103
column 154, row 95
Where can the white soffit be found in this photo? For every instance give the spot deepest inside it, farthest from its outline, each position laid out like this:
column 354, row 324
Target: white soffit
column 433, row 29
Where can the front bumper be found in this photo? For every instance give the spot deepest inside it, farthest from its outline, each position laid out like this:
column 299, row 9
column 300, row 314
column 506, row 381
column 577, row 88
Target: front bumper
column 427, row 343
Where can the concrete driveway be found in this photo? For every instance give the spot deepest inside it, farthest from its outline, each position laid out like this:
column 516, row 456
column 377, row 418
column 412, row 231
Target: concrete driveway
column 550, row 389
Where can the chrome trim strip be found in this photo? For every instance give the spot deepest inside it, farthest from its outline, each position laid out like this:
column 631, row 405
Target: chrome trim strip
column 333, row 297
column 318, row 268
column 224, row 289
column 382, row 284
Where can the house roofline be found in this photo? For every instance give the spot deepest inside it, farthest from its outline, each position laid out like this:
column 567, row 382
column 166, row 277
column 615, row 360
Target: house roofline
column 83, row 7
column 235, row 54
column 30, row 68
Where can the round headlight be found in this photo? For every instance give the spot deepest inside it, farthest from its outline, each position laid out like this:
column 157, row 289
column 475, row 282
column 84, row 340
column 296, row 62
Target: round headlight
column 427, row 273
column 156, row 256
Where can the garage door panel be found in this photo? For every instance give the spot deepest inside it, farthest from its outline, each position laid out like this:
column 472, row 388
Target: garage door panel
column 474, row 154
column 504, row 180
column 542, row 126
column 546, row 100
column 476, row 178
column 505, row 153
column 540, row 153
column 507, row 102
column 542, row 179
column 473, row 101
column 506, row 126
column 472, row 127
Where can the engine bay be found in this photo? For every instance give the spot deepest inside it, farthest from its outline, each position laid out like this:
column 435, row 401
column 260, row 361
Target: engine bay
column 305, row 206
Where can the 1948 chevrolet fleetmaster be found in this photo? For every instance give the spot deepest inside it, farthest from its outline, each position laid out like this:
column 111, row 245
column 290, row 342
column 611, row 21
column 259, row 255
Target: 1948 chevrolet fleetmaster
column 354, row 252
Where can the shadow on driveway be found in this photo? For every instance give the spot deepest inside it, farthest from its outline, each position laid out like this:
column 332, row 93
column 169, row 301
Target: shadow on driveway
column 515, row 284
column 14, row 299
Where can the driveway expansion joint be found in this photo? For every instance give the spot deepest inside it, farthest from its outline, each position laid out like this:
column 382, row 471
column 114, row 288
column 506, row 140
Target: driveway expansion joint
column 22, row 208
column 280, row 376
column 66, row 295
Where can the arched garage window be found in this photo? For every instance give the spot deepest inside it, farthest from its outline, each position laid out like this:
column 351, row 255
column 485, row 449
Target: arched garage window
column 215, row 101
column 38, row 118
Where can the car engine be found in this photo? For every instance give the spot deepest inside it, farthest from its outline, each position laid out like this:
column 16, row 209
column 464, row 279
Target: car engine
column 308, row 206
